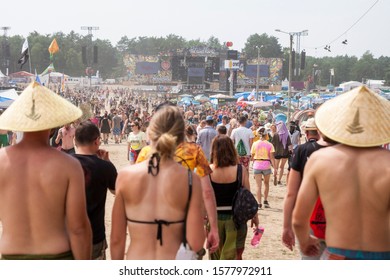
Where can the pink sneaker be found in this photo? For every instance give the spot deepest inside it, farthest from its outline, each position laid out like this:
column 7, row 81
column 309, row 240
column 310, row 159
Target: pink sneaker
column 257, row 234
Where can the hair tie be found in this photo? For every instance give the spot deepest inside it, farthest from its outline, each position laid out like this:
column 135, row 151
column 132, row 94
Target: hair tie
column 154, row 164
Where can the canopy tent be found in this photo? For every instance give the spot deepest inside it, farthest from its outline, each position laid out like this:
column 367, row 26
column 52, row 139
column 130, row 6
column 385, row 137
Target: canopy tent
column 21, row 74
column 5, row 102
column 49, row 69
column 7, row 97
column 242, row 94
column 56, row 75
column 202, row 98
column 2, row 75
column 222, row 96
column 258, row 104
column 9, row 94
column 188, row 101
column 185, row 95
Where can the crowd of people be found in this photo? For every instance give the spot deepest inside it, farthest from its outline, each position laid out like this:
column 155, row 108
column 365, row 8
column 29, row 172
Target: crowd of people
column 169, row 208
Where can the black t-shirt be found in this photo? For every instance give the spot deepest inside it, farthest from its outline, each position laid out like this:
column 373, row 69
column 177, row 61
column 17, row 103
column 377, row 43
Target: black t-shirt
column 100, row 175
column 302, row 153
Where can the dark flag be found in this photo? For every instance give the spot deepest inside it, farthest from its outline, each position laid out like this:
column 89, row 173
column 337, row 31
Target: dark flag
column 24, row 57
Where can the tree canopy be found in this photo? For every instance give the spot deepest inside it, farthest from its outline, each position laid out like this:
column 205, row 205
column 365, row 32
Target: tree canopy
column 110, row 58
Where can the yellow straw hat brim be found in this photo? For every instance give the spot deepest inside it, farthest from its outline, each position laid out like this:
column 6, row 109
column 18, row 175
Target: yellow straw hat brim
column 358, row 118
column 38, row 108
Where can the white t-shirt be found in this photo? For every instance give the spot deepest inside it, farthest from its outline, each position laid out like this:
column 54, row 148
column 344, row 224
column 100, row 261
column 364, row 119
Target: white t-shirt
column 245, row 134
column 136, row 140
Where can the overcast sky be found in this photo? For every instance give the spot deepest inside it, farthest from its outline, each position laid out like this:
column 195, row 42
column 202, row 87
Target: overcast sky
column 228, row 20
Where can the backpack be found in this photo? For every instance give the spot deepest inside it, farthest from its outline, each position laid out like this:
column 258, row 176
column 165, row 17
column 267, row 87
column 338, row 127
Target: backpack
column 241, row 148
column 244, row 205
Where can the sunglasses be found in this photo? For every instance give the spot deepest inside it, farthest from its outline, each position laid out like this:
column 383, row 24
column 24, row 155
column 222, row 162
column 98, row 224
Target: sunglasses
column 132, row 125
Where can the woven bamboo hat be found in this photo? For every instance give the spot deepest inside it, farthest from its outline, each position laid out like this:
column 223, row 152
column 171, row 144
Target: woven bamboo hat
column 358, row 118
column 38, row 108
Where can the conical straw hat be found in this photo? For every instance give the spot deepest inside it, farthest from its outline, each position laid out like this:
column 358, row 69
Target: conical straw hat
column 38, row 108
column 358, row 118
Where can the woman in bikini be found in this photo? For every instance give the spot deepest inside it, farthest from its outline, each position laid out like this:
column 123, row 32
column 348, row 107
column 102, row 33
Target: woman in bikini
column 152, row 196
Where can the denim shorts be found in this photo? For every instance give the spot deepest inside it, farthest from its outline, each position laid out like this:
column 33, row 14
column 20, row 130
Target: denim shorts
column 264, row 172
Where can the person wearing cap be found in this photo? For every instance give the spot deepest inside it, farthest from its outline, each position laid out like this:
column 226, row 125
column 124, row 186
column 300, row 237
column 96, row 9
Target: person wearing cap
column 42, row 196
column 206, row 136
column 352, row 177
column 263, row 158
column 225, row 123
column 298, row 162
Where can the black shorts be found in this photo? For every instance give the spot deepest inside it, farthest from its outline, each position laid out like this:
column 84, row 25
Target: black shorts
column 279, row 157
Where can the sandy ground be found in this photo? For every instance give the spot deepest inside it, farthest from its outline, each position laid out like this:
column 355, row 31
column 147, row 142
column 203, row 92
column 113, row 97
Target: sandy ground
column 271, row 219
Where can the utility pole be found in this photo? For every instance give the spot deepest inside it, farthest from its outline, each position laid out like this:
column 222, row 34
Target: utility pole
column 258, row 70
column 90, row 30
column 289, row 78
column 291, row 34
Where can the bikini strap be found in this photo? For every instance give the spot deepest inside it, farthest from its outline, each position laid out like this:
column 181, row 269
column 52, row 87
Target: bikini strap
column 159, row 224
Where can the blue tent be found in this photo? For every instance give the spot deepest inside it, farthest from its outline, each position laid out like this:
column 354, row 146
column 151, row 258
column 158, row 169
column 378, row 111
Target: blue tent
column 245, row 94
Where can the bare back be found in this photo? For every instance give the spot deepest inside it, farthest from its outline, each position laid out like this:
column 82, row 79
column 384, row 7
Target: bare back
column 354, row 186
column 34, row 186
column 163, row 197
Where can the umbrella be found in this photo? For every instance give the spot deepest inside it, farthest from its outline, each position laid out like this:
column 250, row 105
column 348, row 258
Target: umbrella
column 201, row 98
column 186, row 95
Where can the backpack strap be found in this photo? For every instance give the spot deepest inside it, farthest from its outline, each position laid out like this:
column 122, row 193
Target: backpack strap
column 239, row 176
column 187, row 207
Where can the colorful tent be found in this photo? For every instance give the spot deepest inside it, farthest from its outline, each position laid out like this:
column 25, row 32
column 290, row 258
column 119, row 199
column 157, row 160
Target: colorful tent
column 49, row 69
column 21, row 74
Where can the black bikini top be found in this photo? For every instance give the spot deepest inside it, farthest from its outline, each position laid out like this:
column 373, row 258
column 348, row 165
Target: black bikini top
column 160, row 223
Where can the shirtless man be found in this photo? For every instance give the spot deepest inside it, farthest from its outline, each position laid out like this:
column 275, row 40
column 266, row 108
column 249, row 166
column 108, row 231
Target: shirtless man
column 42, row 195
column 353, row 179
column 67, row 134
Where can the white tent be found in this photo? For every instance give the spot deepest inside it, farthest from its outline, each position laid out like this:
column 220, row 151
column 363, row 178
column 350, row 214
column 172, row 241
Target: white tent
column 55, row 74
column 2, row 75
column 9, row 94
column 347, row 86
column 7, row 97
column 55, row 77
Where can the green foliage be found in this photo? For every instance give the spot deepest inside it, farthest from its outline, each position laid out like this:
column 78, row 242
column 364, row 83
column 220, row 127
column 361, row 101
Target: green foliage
column 110, row 58
column 269, row 46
